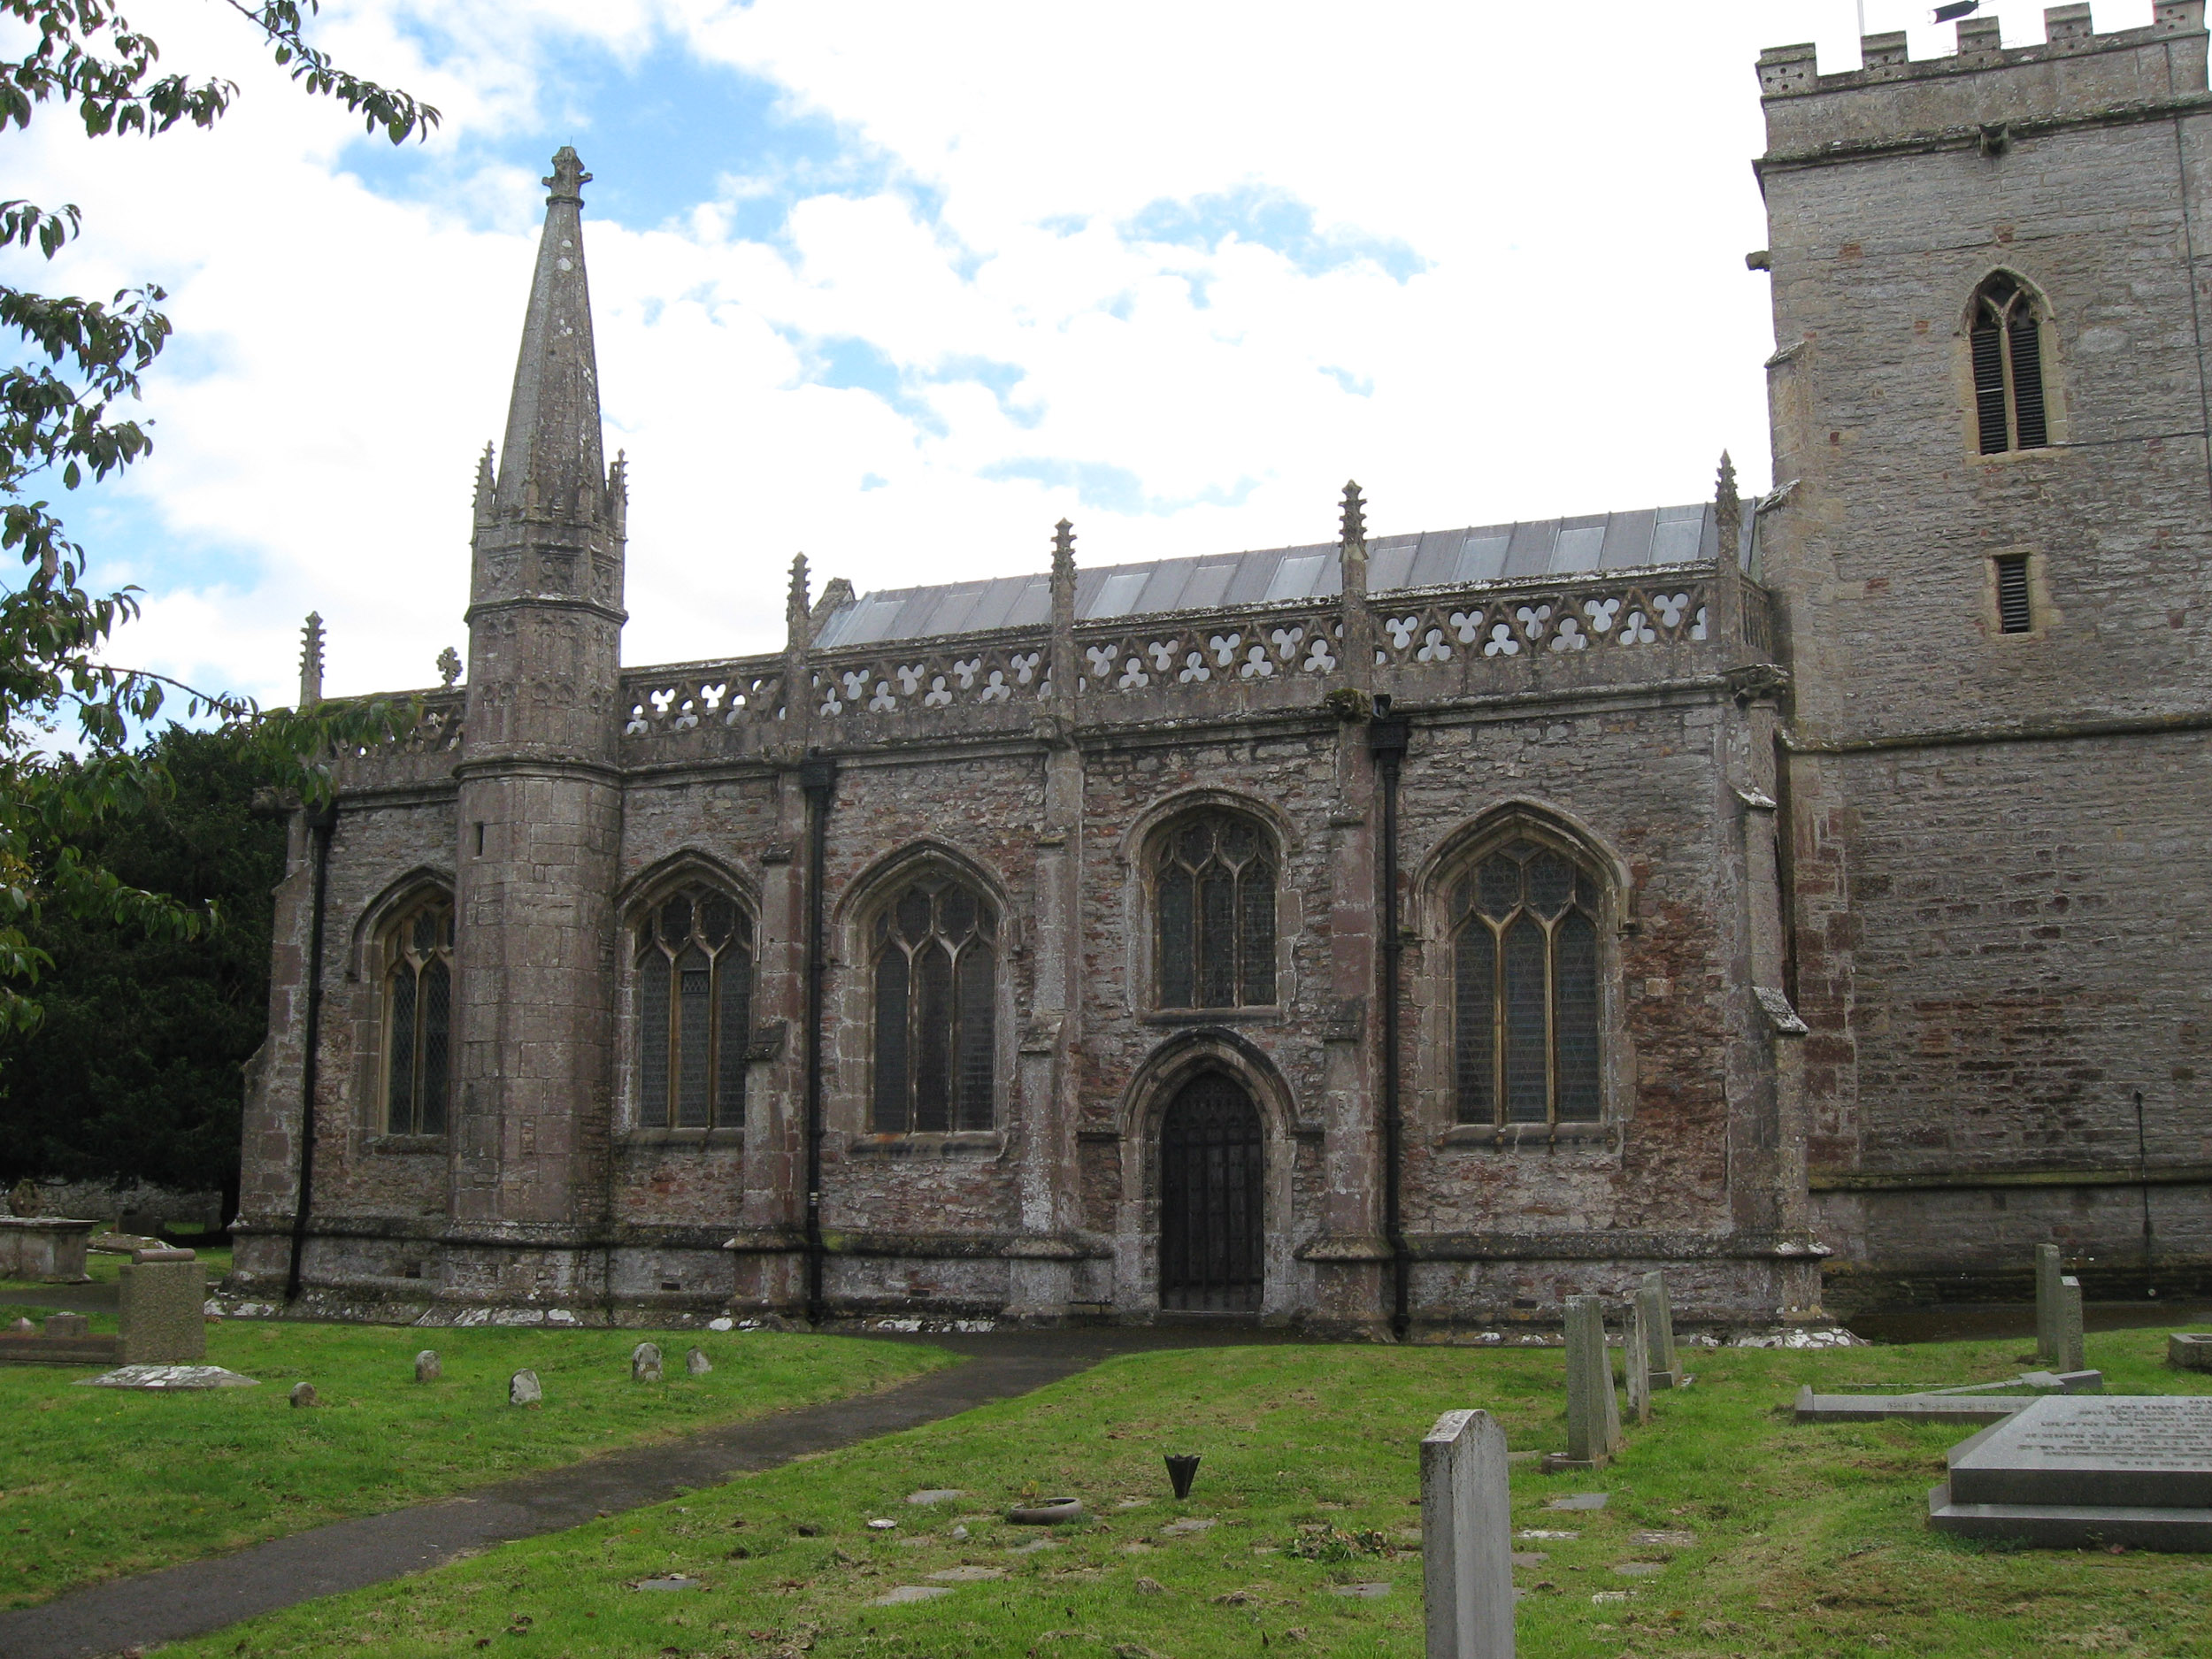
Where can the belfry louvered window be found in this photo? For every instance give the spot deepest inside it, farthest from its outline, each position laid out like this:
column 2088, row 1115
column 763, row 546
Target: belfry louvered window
column 1214, row 899
column 936, row 994
column 2007, row 341
column 419, row 1017
column 1525, row 966
column 694, row 993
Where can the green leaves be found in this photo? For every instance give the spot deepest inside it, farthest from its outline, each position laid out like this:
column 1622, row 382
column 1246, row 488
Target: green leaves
column 76, row 359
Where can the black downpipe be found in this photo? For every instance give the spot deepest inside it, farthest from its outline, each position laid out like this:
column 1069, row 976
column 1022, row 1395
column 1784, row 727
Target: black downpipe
column 1386, row 739
column 321, row 821
column 817, row 779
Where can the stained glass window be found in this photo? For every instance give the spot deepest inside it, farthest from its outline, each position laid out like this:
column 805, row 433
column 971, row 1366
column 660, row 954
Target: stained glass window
column 418, row 1018
column 694, row 990
column 1213, row 901
column 936, row 1003
column 1525, row 1002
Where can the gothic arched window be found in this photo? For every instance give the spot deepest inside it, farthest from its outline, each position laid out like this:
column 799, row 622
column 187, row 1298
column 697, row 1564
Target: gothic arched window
column 936, row 994
column 1213, row 895
column 695, row 979
column 1525, row 1002
column 2008, row 341
column 419, row 1017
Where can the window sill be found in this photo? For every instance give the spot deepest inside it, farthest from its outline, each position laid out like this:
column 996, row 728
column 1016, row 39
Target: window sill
column 1533, row 1137
column 1256, row 1016
column 962, row 1143
column 408, row 1143
column 730, row 1136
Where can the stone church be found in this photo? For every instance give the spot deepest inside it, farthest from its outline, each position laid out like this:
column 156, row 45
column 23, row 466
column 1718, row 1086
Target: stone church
column 1809, row 897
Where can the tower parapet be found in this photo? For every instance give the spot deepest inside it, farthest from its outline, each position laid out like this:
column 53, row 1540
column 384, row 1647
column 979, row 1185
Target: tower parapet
column 1983, row 93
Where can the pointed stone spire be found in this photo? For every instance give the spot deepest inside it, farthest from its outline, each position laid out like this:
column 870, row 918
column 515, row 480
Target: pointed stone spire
column 487, row 487
column 798, row 620
column 1063, row 575
column 1352, row 540
column 312, row 661
column 552, row 465
column 1728, row 510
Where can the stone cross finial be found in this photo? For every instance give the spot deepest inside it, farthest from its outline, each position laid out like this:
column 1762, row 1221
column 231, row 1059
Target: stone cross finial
column 449, row 666
column 1353, row 529
column 569, row 177
column 311, row 660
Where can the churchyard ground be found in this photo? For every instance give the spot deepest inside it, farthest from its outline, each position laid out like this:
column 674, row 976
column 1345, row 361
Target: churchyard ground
column 1788, row 1539
column 97, row 1482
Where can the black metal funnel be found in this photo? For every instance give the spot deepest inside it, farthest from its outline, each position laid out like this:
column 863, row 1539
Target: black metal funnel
column 1182, row 1471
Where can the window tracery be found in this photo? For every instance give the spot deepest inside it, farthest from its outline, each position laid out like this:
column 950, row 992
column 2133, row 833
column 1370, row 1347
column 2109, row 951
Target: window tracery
column 935, row 1008
column 695, row 979
column 2007, row 337
column 1213, row 895
column 1525, row 966
column 417, row 1016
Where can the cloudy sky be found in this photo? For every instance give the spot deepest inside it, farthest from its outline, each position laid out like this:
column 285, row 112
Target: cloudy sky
column 900, row 284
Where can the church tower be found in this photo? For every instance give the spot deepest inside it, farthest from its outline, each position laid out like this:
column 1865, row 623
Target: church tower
column 540, row 805
column 1992, row 544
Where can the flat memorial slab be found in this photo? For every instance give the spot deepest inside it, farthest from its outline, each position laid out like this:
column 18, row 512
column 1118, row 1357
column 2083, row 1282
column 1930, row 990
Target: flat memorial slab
column 2072, row 1471
column 170, row 1378
column 1812, row 1408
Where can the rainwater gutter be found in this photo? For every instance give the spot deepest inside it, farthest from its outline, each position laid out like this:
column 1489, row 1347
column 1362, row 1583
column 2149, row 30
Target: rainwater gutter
column 1386, row 737
column 818, row 780
column 321, row 820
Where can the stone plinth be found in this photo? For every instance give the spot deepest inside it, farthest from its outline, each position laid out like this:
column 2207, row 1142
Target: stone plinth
column 2074, row 1471
column 47, row 1248
column 164, row 1311
column 2190, row 1350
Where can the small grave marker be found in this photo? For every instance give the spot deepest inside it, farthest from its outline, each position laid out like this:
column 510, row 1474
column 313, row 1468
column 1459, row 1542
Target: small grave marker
column 1466, row 1539
column 2066, row 1327
column 304, row 1395
column 1639, row 1370
column 645, row 1363
column 427, row 1368
column 523, row 1389
column 696, row 1363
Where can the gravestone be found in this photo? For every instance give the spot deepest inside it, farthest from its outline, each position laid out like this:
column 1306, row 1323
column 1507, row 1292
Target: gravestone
column 164, row 1309
column 69, row 1324
column 304, row 1395
column 2066, row 1327
column 2187, row 1350
column 48, row 1249
column 1663, row 1364
column 645, row 1363
column 2047, row 1269
column 523, row 1389
column 1466, row 1539
column 1639, row 1373
column 1594, row 1410
column 169, row 1378
column 2085, row 1472
column 696, row 1363
column 427, row 1368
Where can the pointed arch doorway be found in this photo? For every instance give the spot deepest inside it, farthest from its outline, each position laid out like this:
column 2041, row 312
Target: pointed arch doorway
column 1212, row 1176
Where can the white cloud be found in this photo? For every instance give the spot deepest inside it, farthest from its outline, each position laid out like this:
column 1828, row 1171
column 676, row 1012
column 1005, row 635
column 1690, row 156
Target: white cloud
column 1572, row 185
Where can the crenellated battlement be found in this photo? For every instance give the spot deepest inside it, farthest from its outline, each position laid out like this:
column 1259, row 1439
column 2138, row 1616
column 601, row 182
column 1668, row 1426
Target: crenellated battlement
column 1985, row 91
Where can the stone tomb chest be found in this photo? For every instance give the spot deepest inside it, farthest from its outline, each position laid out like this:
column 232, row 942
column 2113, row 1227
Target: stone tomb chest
column 2071, row 1471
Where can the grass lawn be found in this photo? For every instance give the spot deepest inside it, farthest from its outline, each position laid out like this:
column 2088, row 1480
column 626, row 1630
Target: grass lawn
column 1803, row 1540
column 96, row 1482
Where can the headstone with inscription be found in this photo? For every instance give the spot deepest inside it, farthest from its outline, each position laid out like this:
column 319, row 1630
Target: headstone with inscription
column 2047, row 1269
column 645, row 1363
column 1663, row 1364
column 1640, row 1371
column 2084, row 1471
column 1466, row 1539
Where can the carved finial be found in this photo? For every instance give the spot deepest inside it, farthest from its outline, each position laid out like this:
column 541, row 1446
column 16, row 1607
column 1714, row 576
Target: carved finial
column 1352, row 530
column 449, row 666
column 798, row 623
column 311, row 660
column 1727, row 509
column 1063, row 549
column 569, row 178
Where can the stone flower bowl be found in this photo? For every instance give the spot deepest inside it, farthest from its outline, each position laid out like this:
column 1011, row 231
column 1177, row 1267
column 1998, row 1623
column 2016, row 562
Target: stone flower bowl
column 1051, row 1512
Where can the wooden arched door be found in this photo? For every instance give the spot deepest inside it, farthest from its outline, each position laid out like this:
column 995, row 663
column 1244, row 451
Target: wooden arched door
column 1212, row 1173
